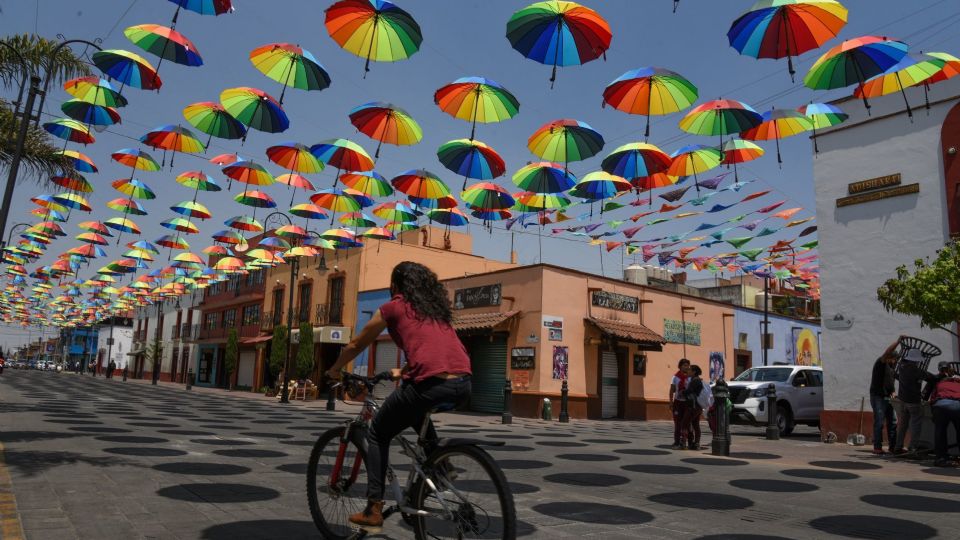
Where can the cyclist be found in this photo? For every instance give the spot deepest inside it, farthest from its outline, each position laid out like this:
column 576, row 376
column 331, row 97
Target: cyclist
column 437, row 370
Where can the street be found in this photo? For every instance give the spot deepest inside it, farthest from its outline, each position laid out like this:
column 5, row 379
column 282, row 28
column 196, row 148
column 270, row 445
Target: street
column 96, row 458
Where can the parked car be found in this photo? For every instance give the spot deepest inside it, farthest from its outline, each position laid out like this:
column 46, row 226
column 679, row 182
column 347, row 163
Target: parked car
column 799, row 396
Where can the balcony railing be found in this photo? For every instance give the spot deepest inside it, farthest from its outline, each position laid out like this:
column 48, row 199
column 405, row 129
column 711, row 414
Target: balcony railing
column 188, row 331
column 329, row 314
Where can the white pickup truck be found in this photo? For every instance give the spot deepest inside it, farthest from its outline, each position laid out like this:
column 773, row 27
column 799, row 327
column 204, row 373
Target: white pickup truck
column 799, row 396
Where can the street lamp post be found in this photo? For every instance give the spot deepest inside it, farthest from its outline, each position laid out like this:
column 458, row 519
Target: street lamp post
column 294, row 268
column 157, row 357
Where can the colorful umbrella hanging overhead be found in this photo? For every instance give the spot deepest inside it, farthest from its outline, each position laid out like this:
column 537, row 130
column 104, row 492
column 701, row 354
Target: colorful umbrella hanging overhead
column 203, row 7
column 650, row 91
column 296, row 158
column 739, row 151
column 80, row 161
column 778, row 124
column 476, row 99
column 720, row 117
column 95, row 91
column 386, row 123
column 471, row 159
column 290, row 66
column 694, row 159
column 255, row 109
column 165, row 43
column 786, row 28
column 635, row 160
column 853, row 62
column 173, row 138
column 559, row 33
column 420, row 183
column 343, row 154
column 544, row 177
column 912, row 70
column 376, row 30
column 69, row 131
column 89, row 114
column 129, row 68
column 565, row 140
column 212, row 119
column 369, row 183
column 487, row 196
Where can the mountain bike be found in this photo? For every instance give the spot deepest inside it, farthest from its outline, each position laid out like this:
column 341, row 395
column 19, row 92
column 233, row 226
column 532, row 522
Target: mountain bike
column 454, row 490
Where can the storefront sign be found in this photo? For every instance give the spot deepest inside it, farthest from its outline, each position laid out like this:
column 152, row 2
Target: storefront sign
column 549, row 321
column 616, row 301
column 874, row 183
column 870, row 196
column 333, row 334
column 485, row 296
column 673, row 332
column 522, row 358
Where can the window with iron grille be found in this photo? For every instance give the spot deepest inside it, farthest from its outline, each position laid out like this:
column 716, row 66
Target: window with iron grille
column 306, row 292
column 229, row 318
column 277, row 305
column 335, row 311
column 210, row 321
column 251, row 315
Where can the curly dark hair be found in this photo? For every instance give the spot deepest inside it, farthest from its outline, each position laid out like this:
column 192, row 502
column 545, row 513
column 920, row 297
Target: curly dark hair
column 422, row 289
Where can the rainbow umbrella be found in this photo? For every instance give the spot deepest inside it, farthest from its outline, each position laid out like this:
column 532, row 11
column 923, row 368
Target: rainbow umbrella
column 651, row 182
column 343, row 154
column 80, row 161
column 73, row 183
column 491, row 215
column 739, row 151
column 255, row 109
column 308, row 211
column 564, row 140
column 203, row 7
column 487, row 196
column 379, row 233
column 291, row 231
column 127, row 206
column 230, row 237
column 335, row 200
column 544, row 177
column 129, row 68
column 180, row 225
column 134, row 188
column 476, row 99
column 853, row 62
column 822, row 115
column 95, row 227
column 650, row 91
column 135, row 159
column 600, row 185
column 296, row 181
column 166, row 43
column 720, row 117
column 217, row 250
column 950, row 69
column 386, row 123
column 471, row 159
column 72, row 201
column 123, row 225
column 249, row 173
column 786, row 28
column 256, row 199
column 425, row 203
column 173, row 138
column 777, row 124
column 244, row 223
column 192, row 209
column 95, row 91
column 173, row 242
column 395, row 211
column 229, row 264
column 362, row 199
column 47, row 213
column 357, row 219
column 70, row 131
column 369, row 183
column 225, row 159
column 212, row 119
column 693, row 159
column 451, row 217
column 290, row 65
column 197, row 181
column 912, row 70
column 89, row 114
column 295, row 157
column 92, row 238
column 376, row 30
column 559, row 33
column 634, row 160
column 420, row 183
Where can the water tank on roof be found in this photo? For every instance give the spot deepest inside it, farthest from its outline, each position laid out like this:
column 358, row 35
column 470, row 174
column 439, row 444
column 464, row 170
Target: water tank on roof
column 635, row 274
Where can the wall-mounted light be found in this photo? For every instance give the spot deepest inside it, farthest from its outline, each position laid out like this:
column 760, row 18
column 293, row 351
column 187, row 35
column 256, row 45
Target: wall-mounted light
column 952, row 150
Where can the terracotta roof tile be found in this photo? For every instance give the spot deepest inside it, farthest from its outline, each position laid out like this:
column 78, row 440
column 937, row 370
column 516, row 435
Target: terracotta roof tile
column 626, row 330
column 481, row 321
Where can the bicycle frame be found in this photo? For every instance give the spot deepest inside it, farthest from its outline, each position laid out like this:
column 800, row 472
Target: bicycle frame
column 412, row 450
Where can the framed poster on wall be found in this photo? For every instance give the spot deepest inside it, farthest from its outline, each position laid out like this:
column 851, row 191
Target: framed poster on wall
column 560, row 359
column 640, row 364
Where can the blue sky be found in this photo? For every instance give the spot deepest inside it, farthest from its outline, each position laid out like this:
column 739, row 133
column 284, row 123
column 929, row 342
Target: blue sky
column 461, row 38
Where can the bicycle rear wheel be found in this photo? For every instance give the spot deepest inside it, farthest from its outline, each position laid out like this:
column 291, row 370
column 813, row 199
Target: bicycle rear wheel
column 336, row 493
column 475, row 492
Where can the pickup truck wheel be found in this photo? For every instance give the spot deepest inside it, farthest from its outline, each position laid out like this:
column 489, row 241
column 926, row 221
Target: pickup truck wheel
column 784, row 419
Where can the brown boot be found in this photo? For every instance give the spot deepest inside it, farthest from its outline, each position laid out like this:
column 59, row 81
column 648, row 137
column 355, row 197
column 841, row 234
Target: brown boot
column 372, row 515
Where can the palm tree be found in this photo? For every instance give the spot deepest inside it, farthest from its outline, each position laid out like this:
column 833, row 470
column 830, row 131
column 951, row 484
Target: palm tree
column 40, row 155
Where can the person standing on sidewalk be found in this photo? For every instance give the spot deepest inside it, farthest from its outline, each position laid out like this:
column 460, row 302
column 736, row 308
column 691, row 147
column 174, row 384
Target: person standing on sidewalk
column 678, row 387
column 910, row 379
column 881, row 392
column 691, row 416
column 945, row 404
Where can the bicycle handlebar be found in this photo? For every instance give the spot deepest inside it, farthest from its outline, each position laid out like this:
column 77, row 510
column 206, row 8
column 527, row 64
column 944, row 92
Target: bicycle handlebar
column 368, row 382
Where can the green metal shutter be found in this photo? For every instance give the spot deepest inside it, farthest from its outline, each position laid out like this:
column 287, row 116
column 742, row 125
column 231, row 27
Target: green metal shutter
column 488, row 359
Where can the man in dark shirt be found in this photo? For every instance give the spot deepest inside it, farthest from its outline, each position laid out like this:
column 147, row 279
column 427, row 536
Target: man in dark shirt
column 910, row 377
column 881, row 390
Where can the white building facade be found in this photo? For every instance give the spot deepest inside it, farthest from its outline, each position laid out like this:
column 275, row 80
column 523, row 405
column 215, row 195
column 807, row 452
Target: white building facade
column 885, row 194
column 114, row 341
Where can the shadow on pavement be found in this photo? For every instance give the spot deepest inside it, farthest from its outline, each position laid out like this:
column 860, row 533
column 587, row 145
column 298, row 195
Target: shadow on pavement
column 287, row 529
column 200, row 468
column 773, row 486
column 702, row 500
column 31, row 436
column 914, row 503
column 860, row 526
column 35, row 462
column 586, row 512
column 218, row 493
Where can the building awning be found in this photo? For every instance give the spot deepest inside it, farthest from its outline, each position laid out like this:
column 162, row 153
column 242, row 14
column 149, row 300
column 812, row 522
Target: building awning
column 135, row 352
column 627, row 331
column 255, row 340
column 481, row 321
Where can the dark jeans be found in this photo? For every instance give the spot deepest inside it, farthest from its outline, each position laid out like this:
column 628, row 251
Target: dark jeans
column 679, row 409
column 945, row 412
column 691, row 425
column 883, row 413
column 405, row 408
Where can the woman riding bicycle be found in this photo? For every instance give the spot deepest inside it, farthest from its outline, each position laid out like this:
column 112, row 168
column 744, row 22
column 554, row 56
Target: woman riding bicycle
column 437, row 369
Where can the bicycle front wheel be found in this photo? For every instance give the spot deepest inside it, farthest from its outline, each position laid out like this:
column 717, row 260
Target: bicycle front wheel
column 471, row 499
column 337, row 482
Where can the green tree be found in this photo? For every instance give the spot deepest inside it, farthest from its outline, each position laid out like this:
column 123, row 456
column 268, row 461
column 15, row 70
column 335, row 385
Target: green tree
column 278, row 349
column 231, row 355
column 40, row 158
column 305, row 351
column 931, row 292
column 154, row 354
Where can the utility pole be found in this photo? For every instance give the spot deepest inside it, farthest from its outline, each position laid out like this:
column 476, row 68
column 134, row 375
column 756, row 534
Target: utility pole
column 157, row 356
column 766, row 311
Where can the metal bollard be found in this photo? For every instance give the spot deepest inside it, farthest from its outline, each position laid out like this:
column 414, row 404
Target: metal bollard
column 773, row 431
column 507, row 416
column 189, row 379
column 547, row 409
column 720, row 445
column 331, row 399
column 564, row 391
column 124, row 373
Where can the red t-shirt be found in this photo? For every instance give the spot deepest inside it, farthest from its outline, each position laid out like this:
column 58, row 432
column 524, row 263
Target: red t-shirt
column 431, row 346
